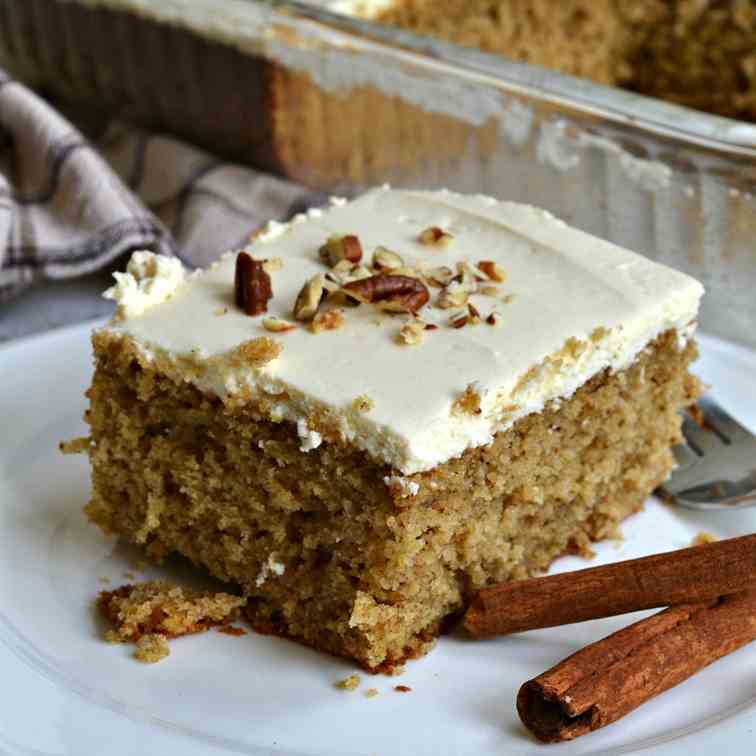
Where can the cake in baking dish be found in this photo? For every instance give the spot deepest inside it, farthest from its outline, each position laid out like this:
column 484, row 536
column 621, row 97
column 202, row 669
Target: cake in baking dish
column 384, row 405
column 699, row 53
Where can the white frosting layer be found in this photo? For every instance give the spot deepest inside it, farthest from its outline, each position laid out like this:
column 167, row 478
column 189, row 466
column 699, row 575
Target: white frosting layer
column 579, row 305
column 149, row 280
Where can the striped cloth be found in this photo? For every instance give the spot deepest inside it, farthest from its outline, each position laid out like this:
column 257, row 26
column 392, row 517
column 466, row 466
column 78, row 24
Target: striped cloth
column 70, row 204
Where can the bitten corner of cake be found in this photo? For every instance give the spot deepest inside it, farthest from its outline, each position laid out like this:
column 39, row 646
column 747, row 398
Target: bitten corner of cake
column 384, row 405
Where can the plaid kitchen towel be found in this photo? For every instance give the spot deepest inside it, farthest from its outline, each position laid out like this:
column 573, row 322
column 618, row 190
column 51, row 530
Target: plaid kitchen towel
column 70, row 205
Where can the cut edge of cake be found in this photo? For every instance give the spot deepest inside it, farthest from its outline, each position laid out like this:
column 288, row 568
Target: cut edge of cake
column 337, row 548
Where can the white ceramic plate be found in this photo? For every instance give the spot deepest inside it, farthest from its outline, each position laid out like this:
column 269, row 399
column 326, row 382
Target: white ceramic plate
column 64, row 691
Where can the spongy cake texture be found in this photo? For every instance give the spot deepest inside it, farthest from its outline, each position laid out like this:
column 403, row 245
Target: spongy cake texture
column 327, row 548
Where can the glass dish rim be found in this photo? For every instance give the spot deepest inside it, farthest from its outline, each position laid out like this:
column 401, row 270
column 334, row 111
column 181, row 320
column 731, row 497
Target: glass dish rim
column 627, row 110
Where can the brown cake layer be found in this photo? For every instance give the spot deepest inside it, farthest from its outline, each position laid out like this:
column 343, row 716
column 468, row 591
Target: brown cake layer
column 241, row 104
column 698, row 54
column 330, row 554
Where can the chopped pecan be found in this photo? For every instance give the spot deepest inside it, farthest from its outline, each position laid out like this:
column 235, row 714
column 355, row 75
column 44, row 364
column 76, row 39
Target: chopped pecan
column 492, row 270
column 455, row 294
column 467, row 275
column 339, row 248
column 435, row 236
column 278, row 325
column 386, row 260
column 494, row 319
column 407, row 271
column 458, row 321
column 440, row 277
column 330, row 320
column 395, row 293
column 252, row 285
column 359, row 272
column 272, row 265
column 342, row 268
column 469, row 401
column 309, row 298
column 488, row 291
column 412, row 333
column 473, row 316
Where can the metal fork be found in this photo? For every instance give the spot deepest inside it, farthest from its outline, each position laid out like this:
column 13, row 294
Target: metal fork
column 716, row 466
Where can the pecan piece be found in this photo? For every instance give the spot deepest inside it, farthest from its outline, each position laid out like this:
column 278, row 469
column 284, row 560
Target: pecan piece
column 468, row 402
column 277, row 325
column 359, row 272
column 467, row 275
column 412, row 333
column 440, row 277
column 309, row 298
column 339, row 248
column 272, row 265
column 435, row 237
column 397, row 293
column 252, row 285
column 458, row 321
column 330, row 320
column 456, row 294
column 492, row 270
column 385, row 260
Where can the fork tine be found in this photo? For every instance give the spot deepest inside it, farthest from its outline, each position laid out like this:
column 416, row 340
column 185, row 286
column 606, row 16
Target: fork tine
column 685, row 457
column 697, row 437
column 722, row 421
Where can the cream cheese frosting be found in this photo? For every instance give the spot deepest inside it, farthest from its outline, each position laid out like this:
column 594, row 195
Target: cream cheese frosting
column 149, row 279
column 571, row 306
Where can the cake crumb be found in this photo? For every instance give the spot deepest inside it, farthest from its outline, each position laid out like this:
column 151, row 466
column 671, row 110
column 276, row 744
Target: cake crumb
column 151, row 648
column 231, row 630
column 111, row 636
column 703, row 538
column 469, row 401
column 348, row 683
column 154, row 607
column 75, row 445
column 258, row 352
column 363, row 403
column 371, row 693
column 402, row 689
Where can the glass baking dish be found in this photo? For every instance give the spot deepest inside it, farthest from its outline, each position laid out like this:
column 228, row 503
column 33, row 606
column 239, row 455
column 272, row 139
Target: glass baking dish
column 341, row 104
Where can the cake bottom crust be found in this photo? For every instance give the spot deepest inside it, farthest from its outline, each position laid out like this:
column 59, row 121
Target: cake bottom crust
column 325, row 551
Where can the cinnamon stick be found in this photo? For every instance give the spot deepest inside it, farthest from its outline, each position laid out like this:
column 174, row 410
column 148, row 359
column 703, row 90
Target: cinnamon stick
column 608, row 679
column 687, row 576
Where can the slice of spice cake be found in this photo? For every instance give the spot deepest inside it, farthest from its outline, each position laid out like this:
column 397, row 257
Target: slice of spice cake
column 385, row 405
